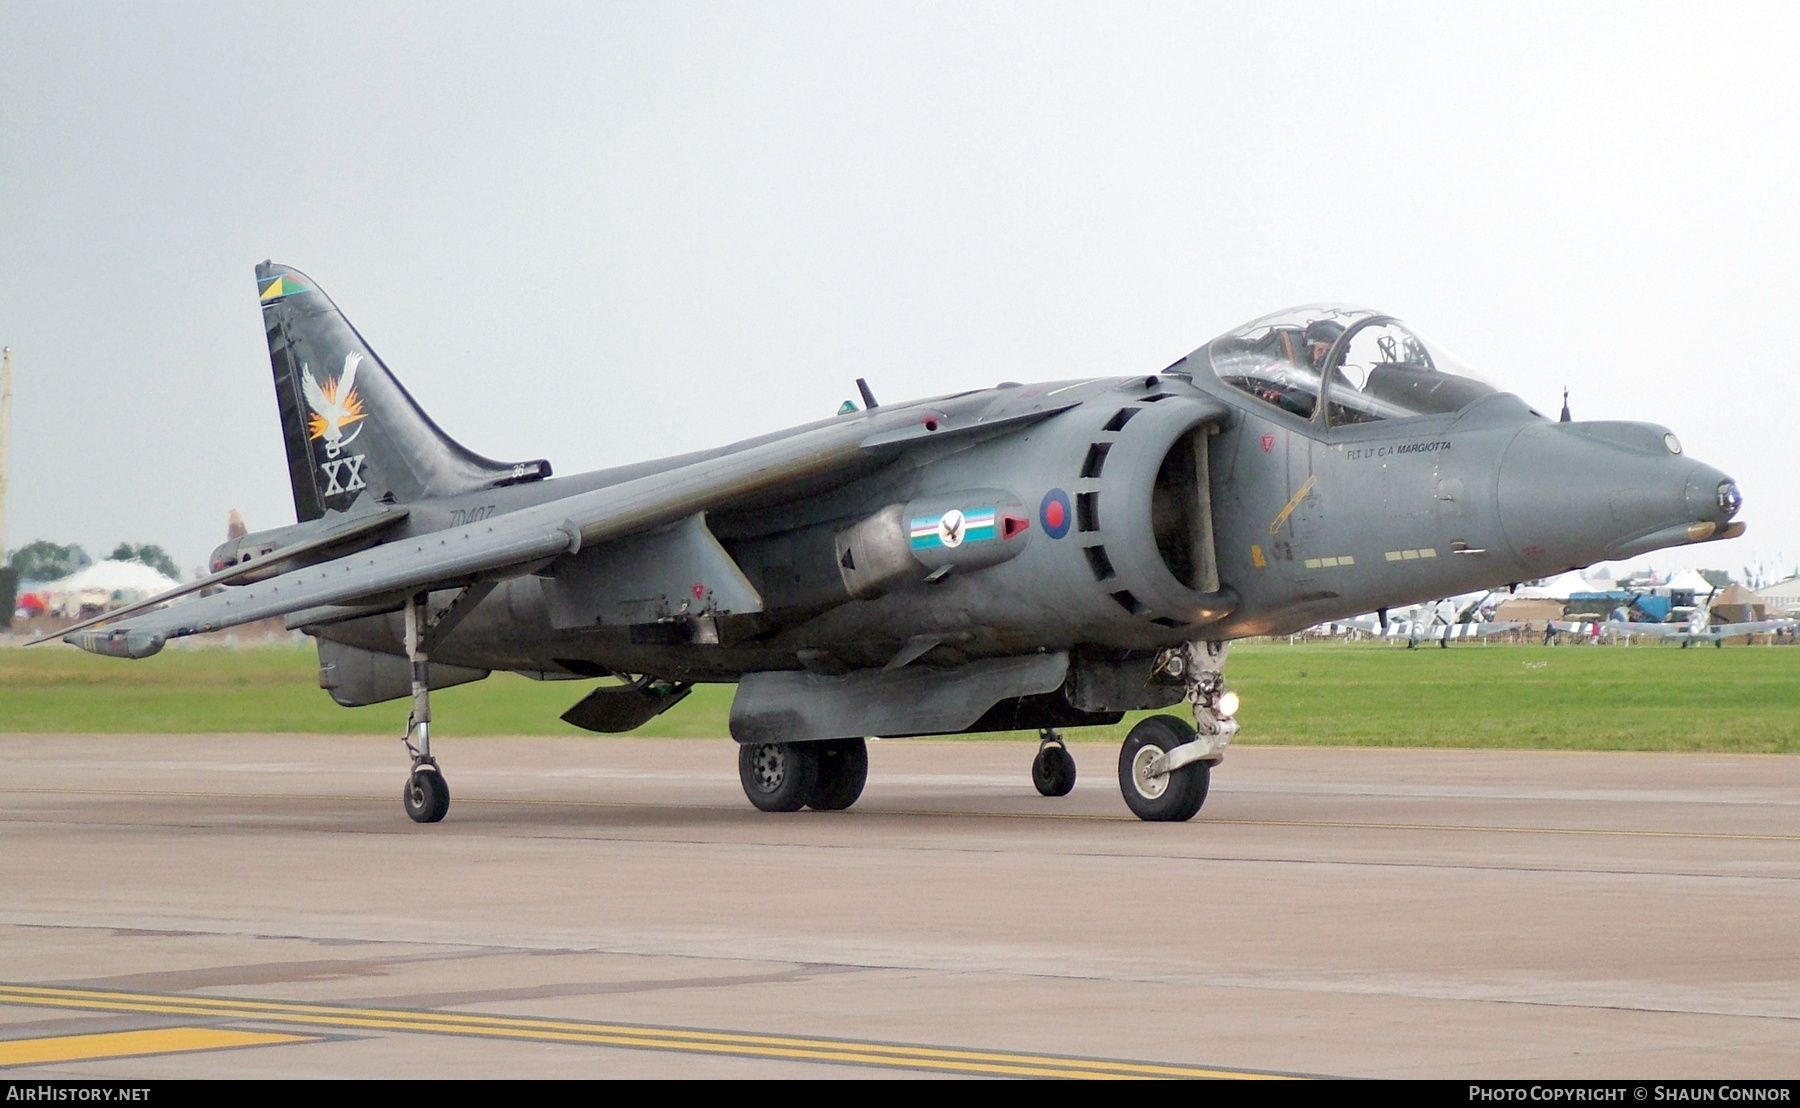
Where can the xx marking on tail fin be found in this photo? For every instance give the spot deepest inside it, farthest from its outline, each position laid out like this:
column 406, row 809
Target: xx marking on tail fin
column 344, row 474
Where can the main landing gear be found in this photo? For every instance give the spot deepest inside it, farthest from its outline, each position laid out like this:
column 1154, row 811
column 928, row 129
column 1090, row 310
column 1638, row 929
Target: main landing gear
column 1165, row 765
column 1053, row 770
column 786, row 777
column 426, row 796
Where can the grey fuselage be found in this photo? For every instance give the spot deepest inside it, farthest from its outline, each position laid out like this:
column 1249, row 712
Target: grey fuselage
column 1120, row 550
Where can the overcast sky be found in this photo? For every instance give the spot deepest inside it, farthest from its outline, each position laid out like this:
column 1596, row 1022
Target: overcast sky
column 604, row 232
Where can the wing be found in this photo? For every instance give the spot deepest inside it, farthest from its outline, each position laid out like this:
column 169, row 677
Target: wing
column 347, row 379
column 1760, row 627
column 1495, row 627
column 336, row 533
column 521, row 541
column 1659, row 630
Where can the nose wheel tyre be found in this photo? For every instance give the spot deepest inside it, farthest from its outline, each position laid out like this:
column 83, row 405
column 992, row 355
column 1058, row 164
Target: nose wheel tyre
column 426, row 796
column 843, row 771
column 1053, row 771
column 1169, row 796
column 779, row 777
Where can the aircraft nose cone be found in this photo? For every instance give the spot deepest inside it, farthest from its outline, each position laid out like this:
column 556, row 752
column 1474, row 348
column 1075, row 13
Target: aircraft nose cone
column 1572, row 494
column 1712, row 495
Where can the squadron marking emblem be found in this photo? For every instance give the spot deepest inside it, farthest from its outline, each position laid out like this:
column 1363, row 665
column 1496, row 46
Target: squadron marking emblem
column 335, row 405
column 953, row 528
column 950, row 529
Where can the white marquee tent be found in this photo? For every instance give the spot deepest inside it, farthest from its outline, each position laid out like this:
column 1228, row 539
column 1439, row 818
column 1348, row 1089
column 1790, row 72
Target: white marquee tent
column 104, row 585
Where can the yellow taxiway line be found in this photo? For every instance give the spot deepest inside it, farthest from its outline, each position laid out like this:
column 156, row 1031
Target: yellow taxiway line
column 639, row 1036
column 135, row 1044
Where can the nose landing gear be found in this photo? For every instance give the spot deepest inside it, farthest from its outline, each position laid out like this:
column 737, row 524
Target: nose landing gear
column 1165, row 765
column 1153, row 790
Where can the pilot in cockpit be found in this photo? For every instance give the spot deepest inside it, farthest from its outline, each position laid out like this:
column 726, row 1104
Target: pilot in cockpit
column 1321, row 335
column 1283, row 364
column 1305, row 350
column 1371, row 366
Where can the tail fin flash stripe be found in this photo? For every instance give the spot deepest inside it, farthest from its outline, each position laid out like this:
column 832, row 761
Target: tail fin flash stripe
column 272, row 289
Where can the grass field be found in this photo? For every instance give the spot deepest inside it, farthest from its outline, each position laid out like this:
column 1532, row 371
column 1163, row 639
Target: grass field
column 1569, row 697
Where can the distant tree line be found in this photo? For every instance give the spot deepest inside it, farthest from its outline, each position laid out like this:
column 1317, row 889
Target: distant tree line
column 148, row 553
column 43, row 560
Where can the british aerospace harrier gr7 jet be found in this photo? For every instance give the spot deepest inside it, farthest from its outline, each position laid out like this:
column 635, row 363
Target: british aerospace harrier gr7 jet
column 1028, row 556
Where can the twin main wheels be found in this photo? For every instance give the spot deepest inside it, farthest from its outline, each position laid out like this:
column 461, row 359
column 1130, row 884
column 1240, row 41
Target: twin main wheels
column 786, row 777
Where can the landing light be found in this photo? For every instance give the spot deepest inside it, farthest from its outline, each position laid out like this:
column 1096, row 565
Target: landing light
column 1673, row 443
column 1228, row 704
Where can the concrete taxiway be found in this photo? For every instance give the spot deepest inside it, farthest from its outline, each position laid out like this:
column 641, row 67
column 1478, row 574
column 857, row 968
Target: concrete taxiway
column 176, row 906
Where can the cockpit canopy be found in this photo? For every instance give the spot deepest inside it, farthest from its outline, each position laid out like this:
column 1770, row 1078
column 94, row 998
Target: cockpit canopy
column 1361, row 365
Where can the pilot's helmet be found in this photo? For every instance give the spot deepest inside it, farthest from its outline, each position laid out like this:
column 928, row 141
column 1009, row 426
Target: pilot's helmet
column 1321, row 335
column 1325, row 331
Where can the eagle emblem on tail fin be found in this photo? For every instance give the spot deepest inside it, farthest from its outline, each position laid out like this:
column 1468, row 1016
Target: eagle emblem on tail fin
column 335, row 405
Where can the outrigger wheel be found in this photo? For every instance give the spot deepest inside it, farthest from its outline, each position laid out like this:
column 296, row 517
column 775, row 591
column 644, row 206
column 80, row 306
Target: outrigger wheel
column 426, row 796
column 1053, row 770
column 1156, row 794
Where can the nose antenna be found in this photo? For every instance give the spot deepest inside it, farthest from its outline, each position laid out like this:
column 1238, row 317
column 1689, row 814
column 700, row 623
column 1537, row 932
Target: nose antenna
column 1565, row 414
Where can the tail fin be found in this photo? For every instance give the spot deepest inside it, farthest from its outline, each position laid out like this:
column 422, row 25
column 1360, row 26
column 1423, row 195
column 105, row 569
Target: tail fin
column 351, row 430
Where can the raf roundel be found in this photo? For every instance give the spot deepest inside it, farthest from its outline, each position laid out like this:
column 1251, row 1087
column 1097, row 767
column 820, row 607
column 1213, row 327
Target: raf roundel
column 1055, row 513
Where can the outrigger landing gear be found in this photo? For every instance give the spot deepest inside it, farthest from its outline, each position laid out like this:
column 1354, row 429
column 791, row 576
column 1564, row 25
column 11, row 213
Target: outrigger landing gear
column 1053, row 770
column 1165, row 765
column 426, row 795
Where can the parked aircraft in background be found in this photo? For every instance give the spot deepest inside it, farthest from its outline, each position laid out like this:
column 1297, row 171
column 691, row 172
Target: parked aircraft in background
column 1699, row 629
column 1026, row 556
